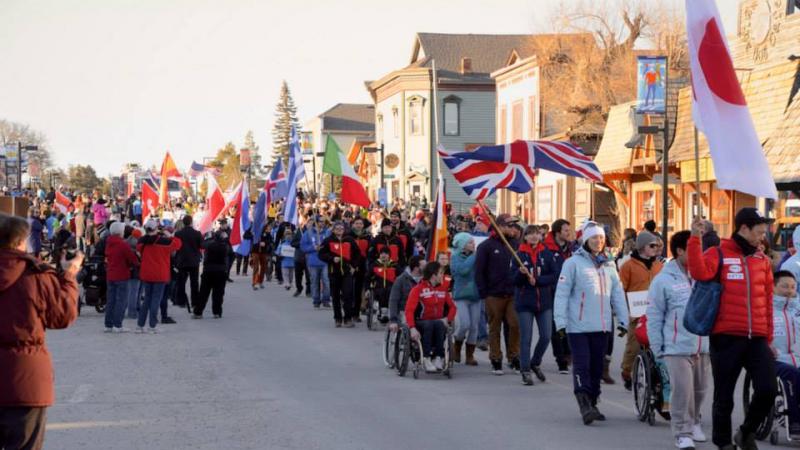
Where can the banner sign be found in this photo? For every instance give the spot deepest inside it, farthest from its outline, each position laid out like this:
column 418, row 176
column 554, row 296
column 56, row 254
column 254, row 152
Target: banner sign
column 651, row 85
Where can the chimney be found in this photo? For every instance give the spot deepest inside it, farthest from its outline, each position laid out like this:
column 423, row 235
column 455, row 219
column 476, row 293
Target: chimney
column 466, row 65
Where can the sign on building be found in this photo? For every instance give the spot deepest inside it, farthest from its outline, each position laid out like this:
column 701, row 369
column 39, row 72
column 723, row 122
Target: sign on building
column 651, row 85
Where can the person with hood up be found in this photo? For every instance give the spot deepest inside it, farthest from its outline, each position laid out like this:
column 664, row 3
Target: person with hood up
column 34, row 297
column 533, row 300
column 120, row 261
column 465, row 295
column 588, row 293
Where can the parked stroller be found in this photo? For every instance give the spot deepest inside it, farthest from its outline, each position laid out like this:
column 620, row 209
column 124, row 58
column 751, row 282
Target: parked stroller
column 92, row 280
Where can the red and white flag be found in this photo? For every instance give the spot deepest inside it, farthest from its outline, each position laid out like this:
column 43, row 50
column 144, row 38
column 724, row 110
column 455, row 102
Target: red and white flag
column 215, row 203
column 149, row 201
column 62, row 202
column 720, row 110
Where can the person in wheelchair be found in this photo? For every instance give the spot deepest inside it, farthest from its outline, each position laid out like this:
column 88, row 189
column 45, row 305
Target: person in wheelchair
column 401, row 290
column 429, row 311
column 785, row 344
column 383, row 274
column 685, row 354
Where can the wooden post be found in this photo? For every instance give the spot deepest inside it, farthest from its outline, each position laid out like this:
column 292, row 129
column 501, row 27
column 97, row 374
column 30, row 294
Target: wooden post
column 503, row 237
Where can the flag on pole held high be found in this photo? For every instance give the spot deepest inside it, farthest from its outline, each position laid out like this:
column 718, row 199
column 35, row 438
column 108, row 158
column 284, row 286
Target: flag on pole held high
column 168, row 170
column 513, row 166
column 215, row 204
column 719, row 108
column 197, row 169
column 297, row 173
column 62, row 202
column 438, row 242
column 241, row 220
column 149, row 201
column 336, row 163
column 276, row 186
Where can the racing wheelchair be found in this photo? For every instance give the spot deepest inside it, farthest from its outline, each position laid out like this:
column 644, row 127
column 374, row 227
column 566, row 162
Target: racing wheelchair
column 778, row 416
column 649, row 380
column 408, row 353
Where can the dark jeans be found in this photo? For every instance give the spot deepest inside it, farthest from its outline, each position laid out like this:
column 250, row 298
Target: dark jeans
column 433, row 333
column 790, row 376
column 242, row 261
column 300, row 270
column 343, row 300
column 169, row 294
column 211, row 283
column 544, row 321
column 278, row 270
column 729, row 355
column 560, row 348
column 588, row 354
column 22, row 428
column 192, row 274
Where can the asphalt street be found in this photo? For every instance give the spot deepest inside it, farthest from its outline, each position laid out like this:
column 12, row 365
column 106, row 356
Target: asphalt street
column 274, row 373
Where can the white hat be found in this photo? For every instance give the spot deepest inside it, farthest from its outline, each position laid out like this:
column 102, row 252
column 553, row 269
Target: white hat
column 592, row 229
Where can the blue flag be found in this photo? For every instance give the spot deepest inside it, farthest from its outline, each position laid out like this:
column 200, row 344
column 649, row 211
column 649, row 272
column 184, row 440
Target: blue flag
column 297, row 173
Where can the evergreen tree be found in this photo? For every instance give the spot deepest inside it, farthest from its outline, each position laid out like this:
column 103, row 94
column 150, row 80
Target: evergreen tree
column 255, row 156
column 285, row 118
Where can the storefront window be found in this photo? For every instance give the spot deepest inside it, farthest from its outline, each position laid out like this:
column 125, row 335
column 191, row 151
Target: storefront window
column 544, row 204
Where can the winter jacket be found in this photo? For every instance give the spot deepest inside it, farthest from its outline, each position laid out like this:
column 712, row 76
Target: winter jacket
column 785, row 322
column 394, row 244
column 35, row 238
column 346, row 249
column 429, row 302
column 191, row 241
column 746, row 302
column 120, row 259
column 539, row 297
column 400, row 292
column 156, row 252
column 311, row 239
column 33, row 298
column 363, row 241
column 710, row 239
column 668, row 294
column 493, row 269
column 793, row 263
column 462, row 268
column 383, row 275
column 286, row 262
column 635, row 276
column 561, row 253
column 216, row 258
column 263, row 245
column 404, row 235
column 588, row 292
column 100, row 213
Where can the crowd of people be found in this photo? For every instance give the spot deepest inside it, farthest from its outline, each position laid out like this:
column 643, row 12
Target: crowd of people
column 498, row 279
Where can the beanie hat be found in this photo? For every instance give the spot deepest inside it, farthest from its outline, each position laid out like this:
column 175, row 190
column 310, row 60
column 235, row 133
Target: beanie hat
column 117, row 229
column 386, row 223
column 644, row 239
column 591, row 229
column 460, row 240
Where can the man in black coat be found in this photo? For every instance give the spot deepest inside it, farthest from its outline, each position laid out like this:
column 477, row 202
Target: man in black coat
column 187, row 260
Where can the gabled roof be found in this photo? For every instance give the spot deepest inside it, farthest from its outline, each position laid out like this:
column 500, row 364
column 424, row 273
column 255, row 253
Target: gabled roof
column 352, row 117
column 613, row 156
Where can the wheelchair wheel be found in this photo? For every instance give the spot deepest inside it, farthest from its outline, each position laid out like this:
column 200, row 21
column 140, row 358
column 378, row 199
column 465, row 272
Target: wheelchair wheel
column 764, row 428
column 370, row 310
column 100, row 308
column 403, row 351
column 449, row 352
column 642, row 388
column 390, row 348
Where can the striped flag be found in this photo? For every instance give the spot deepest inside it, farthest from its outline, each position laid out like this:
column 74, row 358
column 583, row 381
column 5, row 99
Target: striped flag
column 438, row 242
column 297, row 173
column 62, row 202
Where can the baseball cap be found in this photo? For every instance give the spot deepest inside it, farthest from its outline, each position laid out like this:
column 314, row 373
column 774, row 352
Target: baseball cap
column 750, row 217
column 506, row 220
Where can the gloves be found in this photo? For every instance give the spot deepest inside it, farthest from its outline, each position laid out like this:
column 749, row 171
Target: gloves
column 562, row 333
column 622, row 331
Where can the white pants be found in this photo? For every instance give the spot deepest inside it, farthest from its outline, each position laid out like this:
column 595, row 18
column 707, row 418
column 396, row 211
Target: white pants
column 688, row 378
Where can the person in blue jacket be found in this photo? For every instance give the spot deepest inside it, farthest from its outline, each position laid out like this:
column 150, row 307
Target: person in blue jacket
column 465, row 294
column 533, row 300
column 315, row 233
column 588, row 292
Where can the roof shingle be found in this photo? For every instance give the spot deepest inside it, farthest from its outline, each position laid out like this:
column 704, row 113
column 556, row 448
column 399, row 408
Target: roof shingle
column 349, row 117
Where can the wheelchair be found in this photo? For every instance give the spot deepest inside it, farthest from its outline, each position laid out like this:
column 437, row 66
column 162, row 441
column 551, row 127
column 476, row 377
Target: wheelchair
column 373, row 310
column 648, row 380
column 389, row 349
column 778, row 416
column 409, row 353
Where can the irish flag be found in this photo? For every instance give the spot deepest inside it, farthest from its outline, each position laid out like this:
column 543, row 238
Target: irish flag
column 335, row 163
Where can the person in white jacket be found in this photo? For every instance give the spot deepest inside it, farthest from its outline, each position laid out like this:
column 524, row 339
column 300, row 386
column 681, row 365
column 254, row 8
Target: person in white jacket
column 588, row 292
column 785, row 345
column 685, row 354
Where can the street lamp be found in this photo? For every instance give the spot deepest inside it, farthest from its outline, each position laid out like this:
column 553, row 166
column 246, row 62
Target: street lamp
column 20, row 148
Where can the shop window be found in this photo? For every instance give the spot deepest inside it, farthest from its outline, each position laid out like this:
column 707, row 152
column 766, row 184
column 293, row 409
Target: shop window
column 452, row 115
column 582, row 202
column 544, row 204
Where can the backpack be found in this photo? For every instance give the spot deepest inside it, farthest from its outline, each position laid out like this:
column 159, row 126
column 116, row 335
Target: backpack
column 703, row 305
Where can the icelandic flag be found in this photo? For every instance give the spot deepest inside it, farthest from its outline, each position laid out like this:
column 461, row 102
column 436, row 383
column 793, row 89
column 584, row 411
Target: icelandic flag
column 297, row 172
column 241, row 221
column 720, row 109
column 276, row 187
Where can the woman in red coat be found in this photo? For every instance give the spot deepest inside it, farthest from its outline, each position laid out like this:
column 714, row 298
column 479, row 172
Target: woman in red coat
column 32, row 298
column 155, row 248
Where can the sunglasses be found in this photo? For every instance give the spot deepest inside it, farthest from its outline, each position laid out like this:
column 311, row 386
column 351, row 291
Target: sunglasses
column 654, row 245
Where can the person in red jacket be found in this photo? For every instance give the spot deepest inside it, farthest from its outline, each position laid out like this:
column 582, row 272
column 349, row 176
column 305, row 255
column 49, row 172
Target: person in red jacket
column 120, row 259
column 429, row 311
column 155, row 247
column 742, row 333
column 33, row 298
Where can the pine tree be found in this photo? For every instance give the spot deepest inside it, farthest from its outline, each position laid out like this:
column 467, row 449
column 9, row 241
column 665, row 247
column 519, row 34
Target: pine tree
column 285, row 118
column 255, row 156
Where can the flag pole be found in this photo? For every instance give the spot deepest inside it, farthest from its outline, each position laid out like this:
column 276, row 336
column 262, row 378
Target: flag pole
column 502, row 236
column 697, row 174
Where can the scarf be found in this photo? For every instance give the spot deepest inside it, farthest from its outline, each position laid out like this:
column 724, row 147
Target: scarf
column 745, row 246
column 648, row 262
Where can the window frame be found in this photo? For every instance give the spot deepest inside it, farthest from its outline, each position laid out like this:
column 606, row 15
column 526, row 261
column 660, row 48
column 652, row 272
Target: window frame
column 452, row 100
column 416, row 103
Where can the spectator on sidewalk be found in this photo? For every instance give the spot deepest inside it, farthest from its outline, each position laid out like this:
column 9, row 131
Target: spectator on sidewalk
column 120, row 261
column 34, row 298
column 155, row 248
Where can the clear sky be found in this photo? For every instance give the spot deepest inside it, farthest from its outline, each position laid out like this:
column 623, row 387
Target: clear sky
column 116, row 81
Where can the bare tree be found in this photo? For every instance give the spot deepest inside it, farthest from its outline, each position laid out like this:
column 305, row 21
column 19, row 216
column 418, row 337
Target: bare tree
column 13, row 132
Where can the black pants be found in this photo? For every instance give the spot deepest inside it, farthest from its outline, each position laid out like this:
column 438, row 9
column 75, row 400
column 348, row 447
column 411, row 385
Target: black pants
column 342, row 294
column 433, row 333
column 192, row 274
column 358, row 288
column 211, row 283
column 300, row 269
column 242, row 261
column 381, row 293
column 278, row 270
column 560, row 347
column 22, row 428
column 588, row 354
column 729, row 355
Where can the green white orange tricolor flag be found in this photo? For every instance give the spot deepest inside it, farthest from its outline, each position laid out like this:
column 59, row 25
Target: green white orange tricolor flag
column 335, row 163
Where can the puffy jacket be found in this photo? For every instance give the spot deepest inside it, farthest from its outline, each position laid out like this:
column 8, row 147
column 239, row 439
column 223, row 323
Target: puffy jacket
column 404, row 235
column 362, row 240
column 32, row 298
column 216, row 259
column 156, row 252
column 785, row 331
column 668, row 294
column 308, row 244
column 493, row 269
column 429, row 302
column 536, row 298
column 746, row 302
column 793, row 263
column 401, row 289
column 346, row 249
column 120, row 259
column 635, row 276
column 383, row 275
column 588, row 290
column 462, row 269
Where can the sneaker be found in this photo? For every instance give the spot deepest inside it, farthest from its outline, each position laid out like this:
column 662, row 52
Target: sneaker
column 218, row 316
column 438, row 362
column 120, row 330
column 697, row 434
column 349, row 324
column 139, row 330
column 153, row 330
column 684, row 443
column 539, row 374
column 297, row 294
column 514, row 364
column 262, row 285
column 168, row 320
column 429, row 366
column 316, row 305
column 326, row 305
column 108, row 330
column 338, row 324
column 483, row 346
column 196, row 316
column 288, row 288
column 527, row 380
column 497, row 367
column 563, row 369
column 745, row 441
column 255, row 287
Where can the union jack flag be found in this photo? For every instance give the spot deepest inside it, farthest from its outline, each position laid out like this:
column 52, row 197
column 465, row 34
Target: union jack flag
column 513, row 166
column 276, row 186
